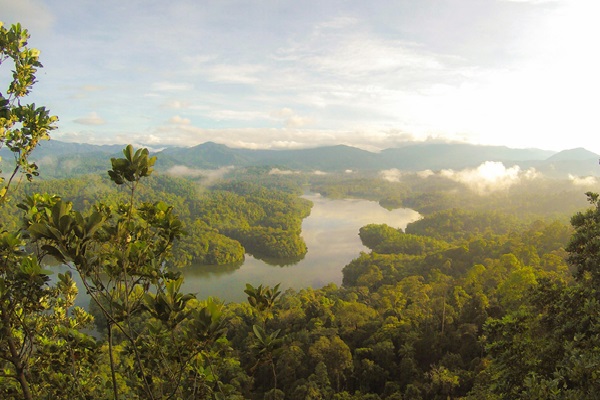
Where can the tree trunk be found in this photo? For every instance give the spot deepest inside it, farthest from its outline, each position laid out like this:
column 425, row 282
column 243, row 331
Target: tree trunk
column 112, row 362
column 15, row 357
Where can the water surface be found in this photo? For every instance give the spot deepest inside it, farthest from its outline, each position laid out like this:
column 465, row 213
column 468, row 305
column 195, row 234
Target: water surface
column 331, row 236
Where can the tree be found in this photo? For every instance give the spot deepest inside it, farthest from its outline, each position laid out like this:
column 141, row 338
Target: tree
column 22, row 126
column 121, row 256
column 37, row 320
column 584, row 247
column 335, row 354
column 548, row 348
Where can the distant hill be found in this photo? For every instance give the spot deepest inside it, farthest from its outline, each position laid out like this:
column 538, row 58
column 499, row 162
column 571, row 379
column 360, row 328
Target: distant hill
column 57, row 159
column 578, row 162
column 411, row 157
column 436, row 156
column 58, row 148
column 71, row 158
column 212, row 155
column 578, row 154
column 206, row 155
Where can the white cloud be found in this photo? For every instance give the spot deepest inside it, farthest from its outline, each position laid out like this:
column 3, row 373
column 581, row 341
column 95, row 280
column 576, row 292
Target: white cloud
column 391, row 175
column 177, row 120
column 532, row 1
column 338, row 23
column 176, row 131
column 236, row 115
column 91, row 119
column 209, row 175
column 182, row 170
column 291, row 119
column 583, row 181
column 47, row 162
column 171, row 86
column 425, row 173
column 176, row 104
column 277, row 171
column 92, row 88
column 230, row 73
column 34, row 15
column 490, row 176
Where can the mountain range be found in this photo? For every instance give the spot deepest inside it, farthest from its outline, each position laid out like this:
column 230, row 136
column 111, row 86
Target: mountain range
column 411, row 157
column 64, row 159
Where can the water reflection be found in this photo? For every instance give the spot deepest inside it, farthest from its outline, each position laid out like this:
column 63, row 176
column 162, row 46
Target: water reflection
column 331, row 235
column 281, row 262
column 209, row 271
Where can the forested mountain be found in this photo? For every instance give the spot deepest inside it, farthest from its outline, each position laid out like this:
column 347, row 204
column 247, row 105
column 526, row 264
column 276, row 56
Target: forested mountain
column 70, row 158
column 437, row 156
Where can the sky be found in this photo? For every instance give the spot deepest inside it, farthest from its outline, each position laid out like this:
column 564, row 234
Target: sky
column 297, row 74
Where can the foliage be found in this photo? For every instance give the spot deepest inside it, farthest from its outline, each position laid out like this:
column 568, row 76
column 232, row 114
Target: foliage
column 266, row 222
column 22, row 126
column 37, row 319
column 120, row 255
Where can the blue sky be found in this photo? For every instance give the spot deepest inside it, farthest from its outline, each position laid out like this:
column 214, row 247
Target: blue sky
column 292, row 74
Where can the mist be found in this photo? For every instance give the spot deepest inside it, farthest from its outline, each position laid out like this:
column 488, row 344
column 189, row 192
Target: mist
column 489, row 177
column 209, row 175
column 583, row 181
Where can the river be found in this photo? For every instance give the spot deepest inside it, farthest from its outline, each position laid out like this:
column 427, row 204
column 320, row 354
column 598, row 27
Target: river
column 331, row 236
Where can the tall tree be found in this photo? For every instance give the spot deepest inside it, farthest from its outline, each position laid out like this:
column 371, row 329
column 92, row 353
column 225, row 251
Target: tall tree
column 37, row 320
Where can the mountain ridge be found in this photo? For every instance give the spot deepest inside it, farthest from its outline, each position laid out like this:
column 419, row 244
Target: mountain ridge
column 415, row 156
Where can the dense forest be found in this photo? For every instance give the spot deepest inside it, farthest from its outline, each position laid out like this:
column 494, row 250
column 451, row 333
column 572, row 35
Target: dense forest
column 488, row 296
column 222, row 224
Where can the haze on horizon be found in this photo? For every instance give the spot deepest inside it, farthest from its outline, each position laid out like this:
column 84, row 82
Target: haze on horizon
column 520, row 73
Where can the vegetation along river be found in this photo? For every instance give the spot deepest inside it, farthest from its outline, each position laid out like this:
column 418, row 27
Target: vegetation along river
column 331, row 235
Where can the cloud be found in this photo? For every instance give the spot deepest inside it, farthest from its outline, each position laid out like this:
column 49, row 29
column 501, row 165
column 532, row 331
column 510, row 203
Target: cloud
column 171, row 86
column 395, row 175
column 490, row 176
column 176, row 104
column 91, row 119
column 92, row 88
column 234, row 73
column 182, row 170
column 209, row 175
column 277, row 171
column 425, row 173
column 532, row 1
column 367, row 60
column 338, row 23
column 391, row 175
column 291, row 119
column 176, row 131
column 583, row 181
column 236, row 115
column 211, row 68
column 177, row 120
column 47, row 162
column 34, row 15
column 252, row 138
